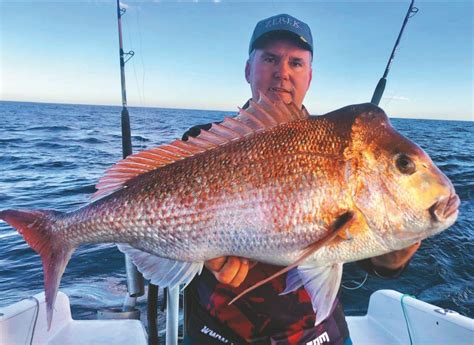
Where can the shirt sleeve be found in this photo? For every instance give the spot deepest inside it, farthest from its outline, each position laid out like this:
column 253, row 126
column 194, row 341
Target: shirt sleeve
column 195, row 130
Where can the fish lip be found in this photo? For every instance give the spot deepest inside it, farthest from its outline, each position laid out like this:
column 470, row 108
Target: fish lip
column 445, row 208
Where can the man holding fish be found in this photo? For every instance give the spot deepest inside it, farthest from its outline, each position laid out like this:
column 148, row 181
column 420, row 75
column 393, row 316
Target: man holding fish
column 301, row 195
column 279, row 65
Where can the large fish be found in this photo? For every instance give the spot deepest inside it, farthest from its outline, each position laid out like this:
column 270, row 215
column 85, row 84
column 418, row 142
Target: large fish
column 273, row 184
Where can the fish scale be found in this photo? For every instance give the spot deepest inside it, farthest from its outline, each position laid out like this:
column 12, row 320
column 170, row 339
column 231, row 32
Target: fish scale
column 192, row 200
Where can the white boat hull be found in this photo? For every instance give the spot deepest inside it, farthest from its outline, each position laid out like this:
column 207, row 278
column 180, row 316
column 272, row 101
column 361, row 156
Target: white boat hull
column 385, row 323
column 17, row 326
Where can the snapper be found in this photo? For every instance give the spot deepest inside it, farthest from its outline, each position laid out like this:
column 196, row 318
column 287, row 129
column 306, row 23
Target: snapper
column 273, row 185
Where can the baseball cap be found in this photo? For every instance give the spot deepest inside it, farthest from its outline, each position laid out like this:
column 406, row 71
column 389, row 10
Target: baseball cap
column 282, row 24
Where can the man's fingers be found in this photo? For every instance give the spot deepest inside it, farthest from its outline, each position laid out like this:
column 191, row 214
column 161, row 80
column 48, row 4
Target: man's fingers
column 414, row 248
column 215, row 265
column 229, row 270
column 241, row 274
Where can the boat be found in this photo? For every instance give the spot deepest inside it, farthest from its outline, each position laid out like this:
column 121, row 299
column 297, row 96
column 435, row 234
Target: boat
column 392, row 318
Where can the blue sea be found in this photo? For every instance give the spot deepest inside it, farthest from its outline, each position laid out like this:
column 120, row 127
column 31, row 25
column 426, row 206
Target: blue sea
column 51, row 156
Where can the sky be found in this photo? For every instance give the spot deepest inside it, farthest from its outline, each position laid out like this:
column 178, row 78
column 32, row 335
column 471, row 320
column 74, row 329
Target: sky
column 192, row 54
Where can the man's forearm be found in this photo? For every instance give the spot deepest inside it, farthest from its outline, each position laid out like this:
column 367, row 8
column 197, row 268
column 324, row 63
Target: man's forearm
column 390, row 265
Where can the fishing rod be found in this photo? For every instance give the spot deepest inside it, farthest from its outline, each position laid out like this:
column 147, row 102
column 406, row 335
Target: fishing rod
column 377, row 96
column 126, row 134
column 135, row 283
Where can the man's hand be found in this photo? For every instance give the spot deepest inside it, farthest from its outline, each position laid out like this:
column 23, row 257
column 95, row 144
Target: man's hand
column 397, row 259
column 231, row 270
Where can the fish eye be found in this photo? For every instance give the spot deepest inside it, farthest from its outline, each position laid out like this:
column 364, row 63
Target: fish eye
column 404, row 164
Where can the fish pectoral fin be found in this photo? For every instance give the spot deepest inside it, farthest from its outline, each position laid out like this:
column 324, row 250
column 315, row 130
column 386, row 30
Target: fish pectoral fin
column 161, row 271
column 341, row 223
column 346, row 235
column 293, row 282
column 322, row 285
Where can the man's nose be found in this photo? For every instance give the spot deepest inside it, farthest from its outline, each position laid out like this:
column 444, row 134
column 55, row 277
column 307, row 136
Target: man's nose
column 282, row 71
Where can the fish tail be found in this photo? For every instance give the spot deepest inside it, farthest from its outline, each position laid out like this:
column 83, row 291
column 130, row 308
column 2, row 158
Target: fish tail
column 37, row 228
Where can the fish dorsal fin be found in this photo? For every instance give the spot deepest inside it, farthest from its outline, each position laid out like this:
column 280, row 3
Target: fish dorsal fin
column 259, row 116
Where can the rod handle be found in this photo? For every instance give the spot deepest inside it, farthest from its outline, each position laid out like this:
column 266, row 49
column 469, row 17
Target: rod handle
column 377, row 96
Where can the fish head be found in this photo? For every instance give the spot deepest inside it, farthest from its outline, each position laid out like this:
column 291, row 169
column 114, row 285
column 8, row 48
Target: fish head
column 402, row 194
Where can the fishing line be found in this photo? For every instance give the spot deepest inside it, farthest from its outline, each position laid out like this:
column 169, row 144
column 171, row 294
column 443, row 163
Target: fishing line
column 274, row 7
column 358, row 286
column 405, row 315
column 130, row 41
column 35, row 319
column 141, row 54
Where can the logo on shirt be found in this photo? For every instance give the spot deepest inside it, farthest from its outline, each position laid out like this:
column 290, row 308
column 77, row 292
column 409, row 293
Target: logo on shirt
column 323, row 338
column 207, row 331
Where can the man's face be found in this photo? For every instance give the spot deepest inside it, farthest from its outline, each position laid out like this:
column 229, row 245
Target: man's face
column 280, row 70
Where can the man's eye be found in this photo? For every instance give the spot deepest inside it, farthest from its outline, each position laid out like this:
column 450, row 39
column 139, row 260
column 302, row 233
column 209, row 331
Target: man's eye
column 297, row 64
column 269, row 59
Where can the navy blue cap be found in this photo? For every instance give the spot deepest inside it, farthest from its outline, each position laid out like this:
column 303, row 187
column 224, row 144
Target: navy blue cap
column 285, row 24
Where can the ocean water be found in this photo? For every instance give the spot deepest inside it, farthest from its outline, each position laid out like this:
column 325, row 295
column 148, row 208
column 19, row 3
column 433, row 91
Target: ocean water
column 51, row 156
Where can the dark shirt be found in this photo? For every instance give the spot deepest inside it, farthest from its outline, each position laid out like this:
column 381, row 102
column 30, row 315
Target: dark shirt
column 261, row 316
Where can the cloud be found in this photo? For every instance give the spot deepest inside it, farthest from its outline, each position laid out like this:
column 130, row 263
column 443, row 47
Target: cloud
column 123, row 5
column 396, row 98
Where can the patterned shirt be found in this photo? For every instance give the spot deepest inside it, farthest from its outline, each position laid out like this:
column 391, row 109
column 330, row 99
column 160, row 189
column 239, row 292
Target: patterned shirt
column 261, row 316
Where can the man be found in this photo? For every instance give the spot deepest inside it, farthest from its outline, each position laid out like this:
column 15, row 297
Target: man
column 279, row 65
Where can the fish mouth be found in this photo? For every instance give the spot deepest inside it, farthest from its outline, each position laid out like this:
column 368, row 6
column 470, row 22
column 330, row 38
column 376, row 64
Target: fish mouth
column 445, row 208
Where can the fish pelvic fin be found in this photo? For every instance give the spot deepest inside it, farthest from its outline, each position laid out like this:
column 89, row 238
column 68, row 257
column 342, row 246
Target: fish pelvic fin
column 161, row 271
column 341, row 223
column 36, row 227
column 261, row 115
column 321, row 284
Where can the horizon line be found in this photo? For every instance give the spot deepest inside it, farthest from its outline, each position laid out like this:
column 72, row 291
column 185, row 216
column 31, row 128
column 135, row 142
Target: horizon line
column 213, row 110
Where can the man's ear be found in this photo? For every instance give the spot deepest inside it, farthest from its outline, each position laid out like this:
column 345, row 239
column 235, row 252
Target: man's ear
column 247, row 71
